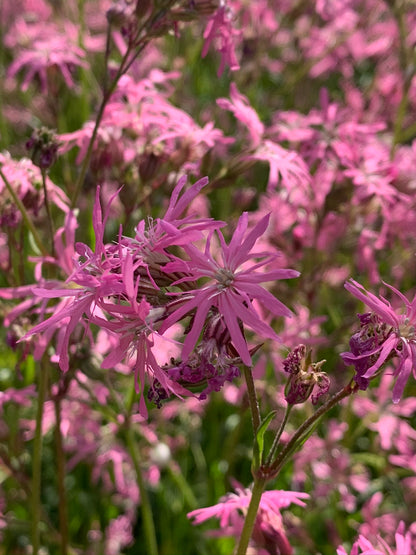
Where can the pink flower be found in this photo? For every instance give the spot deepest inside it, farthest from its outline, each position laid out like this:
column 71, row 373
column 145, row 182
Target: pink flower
column 286, row 165
column 231, row 288
column 140, row 123
column 388, row 420
column 364, row 547
column 25, row 178
column 268, row 529
column 49, row 50
column 119, row 534
column 221, row 32
column 242, row 110
column 114, row 287
column 384, row 333
column 21, row 397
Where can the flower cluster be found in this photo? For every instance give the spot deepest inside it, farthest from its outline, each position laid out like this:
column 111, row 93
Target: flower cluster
column 137, row 289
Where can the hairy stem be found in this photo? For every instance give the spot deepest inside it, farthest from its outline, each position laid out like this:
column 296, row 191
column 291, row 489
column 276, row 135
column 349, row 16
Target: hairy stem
column 276, row 440
column 252, row 399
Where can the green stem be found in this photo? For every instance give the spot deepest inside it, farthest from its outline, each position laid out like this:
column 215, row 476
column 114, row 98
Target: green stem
column 406, row 62
column 107, row 57
column 304, row 429
column 37, row 459
column 60, row 459
column 148, row 524
column 276, row 440
column 252, row 399
column 48, row 208
column 135, row 48
column 86, row 162
column 184, row 487
column 258, row 488
column 25, row 215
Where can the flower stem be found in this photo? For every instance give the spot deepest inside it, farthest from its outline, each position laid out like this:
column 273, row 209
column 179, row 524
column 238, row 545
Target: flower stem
column 148, row 524
column 48, row 209
column 276, row 440
column 60, row 458
column 183, row 486
column 25, row 215
column 406, row 61
column 252, row 399
column 37, row 459
column 258, row 488
column 305, row 428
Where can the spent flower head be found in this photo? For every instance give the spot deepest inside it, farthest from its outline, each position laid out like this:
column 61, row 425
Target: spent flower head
column 43, row 147
column 305, row 377
column 385, row 333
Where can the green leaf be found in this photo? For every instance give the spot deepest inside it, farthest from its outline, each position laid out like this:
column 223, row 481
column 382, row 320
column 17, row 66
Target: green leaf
column 259, row 440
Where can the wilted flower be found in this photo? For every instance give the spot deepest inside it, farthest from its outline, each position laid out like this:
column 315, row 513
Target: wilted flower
column 305, row 376
column 384, row 334
column 43, row 147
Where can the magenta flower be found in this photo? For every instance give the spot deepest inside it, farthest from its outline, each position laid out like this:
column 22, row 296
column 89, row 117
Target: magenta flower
column 268, row 529
column 384, row 334
column 231, row 289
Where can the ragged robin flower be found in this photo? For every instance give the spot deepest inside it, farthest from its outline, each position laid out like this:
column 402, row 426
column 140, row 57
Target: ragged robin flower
column 232, row 285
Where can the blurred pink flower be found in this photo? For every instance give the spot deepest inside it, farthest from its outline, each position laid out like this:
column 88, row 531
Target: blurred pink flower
column 25, row 178
column 139, row 123
column 293, row 172
column 268, row 529
column 388, row 420
column 23, row 396
column 118, row 535
column 242, row 110
column 223, row 35
column 329, row 469
column 364, row 547
column 51, row 49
